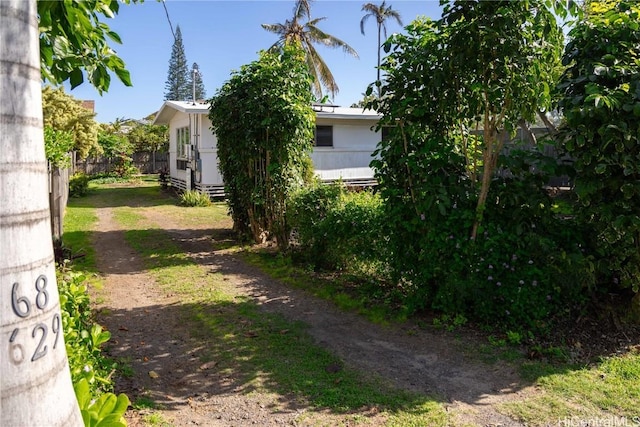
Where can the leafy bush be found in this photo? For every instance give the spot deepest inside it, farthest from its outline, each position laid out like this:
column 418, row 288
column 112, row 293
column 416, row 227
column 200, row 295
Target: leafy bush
column 600, row 98
column 194, row 198
column 263, row 155
column 83, row 338
column 78, row 185
column 123, row 166
column 106, row 410
column 164, row 178
column 57, row 145
column 336, row 229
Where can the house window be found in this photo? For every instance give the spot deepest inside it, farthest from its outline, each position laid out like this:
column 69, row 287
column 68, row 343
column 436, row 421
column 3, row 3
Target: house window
column 323, row 136
column 182, row 142
column 181, row 164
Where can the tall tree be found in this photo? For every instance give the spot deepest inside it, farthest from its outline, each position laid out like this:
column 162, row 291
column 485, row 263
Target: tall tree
column 177, row 86
column 62, row 112
column 307, row 34
column 381, row 13
column 34, row 374
column 263, row 155
column 196, row 73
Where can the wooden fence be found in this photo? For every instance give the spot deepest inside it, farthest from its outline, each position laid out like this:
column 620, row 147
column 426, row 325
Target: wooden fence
column 58, row 197
column 146, row 162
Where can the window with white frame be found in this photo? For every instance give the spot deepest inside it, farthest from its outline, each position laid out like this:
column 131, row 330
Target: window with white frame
column 182, row 142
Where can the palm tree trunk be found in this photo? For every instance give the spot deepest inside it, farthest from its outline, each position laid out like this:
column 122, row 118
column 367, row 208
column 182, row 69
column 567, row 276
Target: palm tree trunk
column 34, row 375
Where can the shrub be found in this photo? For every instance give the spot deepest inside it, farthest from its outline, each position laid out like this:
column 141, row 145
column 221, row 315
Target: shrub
column 83, row 337
column 194, row 198
column 164, row 178
column 337, row 229
column 600, row 91
column 123, row 166
column 78, row 185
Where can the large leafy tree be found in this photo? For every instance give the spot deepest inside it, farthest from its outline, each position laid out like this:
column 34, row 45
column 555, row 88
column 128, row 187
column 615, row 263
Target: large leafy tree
column 455, row 90
column 74, row 42
column 482, row 65
column 264, row 122
column 601, row 103
column 34, row 374
column 177, row 87
column 62, row 112
column 148, row 137
column 303, row 30
column 381, row 13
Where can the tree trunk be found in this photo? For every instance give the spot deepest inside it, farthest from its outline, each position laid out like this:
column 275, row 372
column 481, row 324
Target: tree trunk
column 35, row 381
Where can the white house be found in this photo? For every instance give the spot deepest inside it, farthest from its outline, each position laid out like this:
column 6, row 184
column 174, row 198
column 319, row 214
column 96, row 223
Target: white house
column 344, row 143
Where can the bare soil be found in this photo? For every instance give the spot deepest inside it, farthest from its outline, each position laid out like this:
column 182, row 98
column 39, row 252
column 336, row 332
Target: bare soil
column 150, row 333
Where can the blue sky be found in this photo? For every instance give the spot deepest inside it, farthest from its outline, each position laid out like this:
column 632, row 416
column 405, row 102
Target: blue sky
column 221, row 36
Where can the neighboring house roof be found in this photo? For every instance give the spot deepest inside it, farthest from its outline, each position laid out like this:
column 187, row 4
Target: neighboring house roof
column 170, row 108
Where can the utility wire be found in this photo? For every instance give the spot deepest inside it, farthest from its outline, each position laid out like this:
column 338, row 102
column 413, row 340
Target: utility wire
column 169, row 19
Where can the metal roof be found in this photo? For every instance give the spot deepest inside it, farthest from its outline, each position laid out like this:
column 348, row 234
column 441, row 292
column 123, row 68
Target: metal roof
column 325, row 111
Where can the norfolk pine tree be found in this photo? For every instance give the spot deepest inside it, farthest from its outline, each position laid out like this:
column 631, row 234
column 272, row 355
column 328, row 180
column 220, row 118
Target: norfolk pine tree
column 178, row 85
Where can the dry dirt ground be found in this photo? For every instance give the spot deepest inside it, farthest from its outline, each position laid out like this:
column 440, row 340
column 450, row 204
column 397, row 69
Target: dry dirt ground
column 149, row 332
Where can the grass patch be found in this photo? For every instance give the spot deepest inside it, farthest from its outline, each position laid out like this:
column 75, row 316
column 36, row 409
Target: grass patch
column 346, row 292
column 605, row 390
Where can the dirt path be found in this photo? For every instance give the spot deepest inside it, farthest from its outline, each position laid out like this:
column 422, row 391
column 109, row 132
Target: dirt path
column 150, row 333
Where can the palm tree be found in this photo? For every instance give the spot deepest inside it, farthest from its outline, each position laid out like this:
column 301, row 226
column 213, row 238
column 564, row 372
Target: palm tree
column 381, row 13
column 308, row 34
column 34, row 374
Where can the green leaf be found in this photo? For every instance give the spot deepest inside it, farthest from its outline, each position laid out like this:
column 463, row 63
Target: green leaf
column 106, row 404
column 76, row 78
column 82, row 393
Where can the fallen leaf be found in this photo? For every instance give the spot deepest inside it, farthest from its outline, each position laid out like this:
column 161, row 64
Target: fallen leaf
column 154, row 374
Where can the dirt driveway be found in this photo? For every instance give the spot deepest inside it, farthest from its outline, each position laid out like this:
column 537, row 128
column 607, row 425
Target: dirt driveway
column 152, row 335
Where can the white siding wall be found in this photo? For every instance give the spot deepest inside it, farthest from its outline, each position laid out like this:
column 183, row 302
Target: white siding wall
column 353, row 144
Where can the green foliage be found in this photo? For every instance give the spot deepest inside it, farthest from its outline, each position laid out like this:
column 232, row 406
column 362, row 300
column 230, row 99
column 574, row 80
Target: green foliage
column 83, row 338
column 164, row 177
column 113, row 144
column 601, row 103
column 195, row 198
column 178, row 87
column 264, row 122
column 448, row 76
column 336, row 229
column 73, row 40
column 105, row 411
column 78, row 185
column 62, row 112
column 57, row 145
column 146, row 137
column 470, row 231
